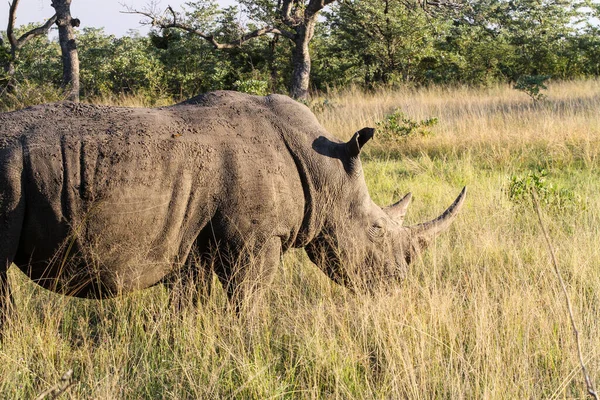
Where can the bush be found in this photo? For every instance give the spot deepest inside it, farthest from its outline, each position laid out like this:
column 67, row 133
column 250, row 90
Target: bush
column 398, row 125
column 520, row 188
column 252, row 86
column 532, row 85
column 27, row 93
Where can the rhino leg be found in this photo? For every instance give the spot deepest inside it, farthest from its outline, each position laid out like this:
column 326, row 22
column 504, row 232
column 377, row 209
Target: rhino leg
column 12, row 211
column 5, row 297
column 191, row 284
column 244, row 275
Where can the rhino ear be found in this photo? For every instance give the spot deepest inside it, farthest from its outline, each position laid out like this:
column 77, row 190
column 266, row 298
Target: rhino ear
column 359, row 139
column 397, row 211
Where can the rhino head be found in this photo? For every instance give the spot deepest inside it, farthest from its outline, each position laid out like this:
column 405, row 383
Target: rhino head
column 361, row 243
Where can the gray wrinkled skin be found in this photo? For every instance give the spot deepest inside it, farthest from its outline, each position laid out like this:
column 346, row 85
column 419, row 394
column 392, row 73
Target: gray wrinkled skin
column 98, row 201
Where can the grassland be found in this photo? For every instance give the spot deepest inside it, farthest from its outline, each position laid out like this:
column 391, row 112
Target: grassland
column 481, row 315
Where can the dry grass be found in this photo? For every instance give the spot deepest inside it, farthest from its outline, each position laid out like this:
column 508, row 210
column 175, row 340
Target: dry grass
column 481, row 315
column 498, row 125
column 132, row 100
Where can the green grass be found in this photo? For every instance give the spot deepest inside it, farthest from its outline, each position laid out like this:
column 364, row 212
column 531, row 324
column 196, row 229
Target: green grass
column 481, row 315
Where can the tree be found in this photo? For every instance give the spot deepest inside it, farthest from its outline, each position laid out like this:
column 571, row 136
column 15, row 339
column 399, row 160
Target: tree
column 293, row 19
column 124, row 65
column 588, row 43
column 380, row 41
column 9, row 56
column 68, row 46
column 507, row 39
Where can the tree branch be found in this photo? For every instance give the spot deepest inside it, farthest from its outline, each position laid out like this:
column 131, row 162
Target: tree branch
column 441, row 3
column 286, row 12
column 10, row 30
column 588, row 382
column 39, row 31
column 17, row 44
column 172, row 13
column 163, row 23
column 265, row 30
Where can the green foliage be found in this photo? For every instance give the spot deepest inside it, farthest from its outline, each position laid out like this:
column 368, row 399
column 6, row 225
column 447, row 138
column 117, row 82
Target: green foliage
column 27, row 93
column 489, row 41
column 252, row 86
column 532, row 85
column 469, row 54
column 320, row 105
column 357, row 42
column 398, row 126
column 38, row 62
column 4, row 58
column 375, row 42
column 38, row 72
column 520, row 188
column 126, row 65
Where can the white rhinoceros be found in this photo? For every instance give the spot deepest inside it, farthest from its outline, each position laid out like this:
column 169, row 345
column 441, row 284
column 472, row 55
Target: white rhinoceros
column 98, row 200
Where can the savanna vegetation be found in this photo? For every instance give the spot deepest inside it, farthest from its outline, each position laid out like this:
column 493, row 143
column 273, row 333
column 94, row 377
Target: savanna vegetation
column 300, row 48
column 500, row 96
column 481, row 315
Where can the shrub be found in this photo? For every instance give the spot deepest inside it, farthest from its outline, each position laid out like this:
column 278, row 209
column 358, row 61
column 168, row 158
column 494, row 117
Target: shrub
column 520, row 188
column 532, row 85
column 252, row 86
column 27, row 93
column 398, row 125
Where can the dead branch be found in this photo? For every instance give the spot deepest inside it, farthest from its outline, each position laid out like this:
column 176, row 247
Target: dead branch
column 588, row 382
column 66, row 381
column 160, row 21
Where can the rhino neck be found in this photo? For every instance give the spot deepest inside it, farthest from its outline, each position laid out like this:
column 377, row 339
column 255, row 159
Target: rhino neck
column 310, row 146
column 319, row 184
column 310, row 225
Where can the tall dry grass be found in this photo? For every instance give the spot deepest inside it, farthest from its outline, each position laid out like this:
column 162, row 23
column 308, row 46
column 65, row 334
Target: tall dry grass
column 480, row 315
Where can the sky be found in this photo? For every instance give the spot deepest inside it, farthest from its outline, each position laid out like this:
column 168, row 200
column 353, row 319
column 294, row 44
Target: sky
column 92, row 13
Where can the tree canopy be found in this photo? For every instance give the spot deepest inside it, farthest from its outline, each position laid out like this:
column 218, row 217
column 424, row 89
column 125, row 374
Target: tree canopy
column 352, row 42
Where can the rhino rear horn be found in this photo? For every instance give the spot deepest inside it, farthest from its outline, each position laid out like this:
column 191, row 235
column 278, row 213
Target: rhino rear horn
column 359, row 139
column 397, row 211
column 421, row 235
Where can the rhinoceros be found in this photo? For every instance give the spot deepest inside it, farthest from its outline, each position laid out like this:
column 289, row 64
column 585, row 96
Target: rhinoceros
column 99, row 200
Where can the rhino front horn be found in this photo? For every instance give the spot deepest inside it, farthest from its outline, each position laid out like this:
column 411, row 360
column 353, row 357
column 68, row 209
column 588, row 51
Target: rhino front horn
column 358, row 140
column 421, row 235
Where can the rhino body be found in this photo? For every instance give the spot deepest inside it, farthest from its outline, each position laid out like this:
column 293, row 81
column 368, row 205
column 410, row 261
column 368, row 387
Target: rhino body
column 98, row 200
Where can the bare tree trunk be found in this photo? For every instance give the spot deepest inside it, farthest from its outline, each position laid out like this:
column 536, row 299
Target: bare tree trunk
column 9, row 73
column 301, row 62
column 68, row 47
column 8, row 66
column 301, row 59
column 274, row 73
column 9, row 69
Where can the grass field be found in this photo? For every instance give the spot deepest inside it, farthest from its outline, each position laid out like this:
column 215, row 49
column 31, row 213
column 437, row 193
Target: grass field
column 481, row 315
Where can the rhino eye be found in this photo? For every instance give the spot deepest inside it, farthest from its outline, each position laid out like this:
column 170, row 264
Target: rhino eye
column 377, row 230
